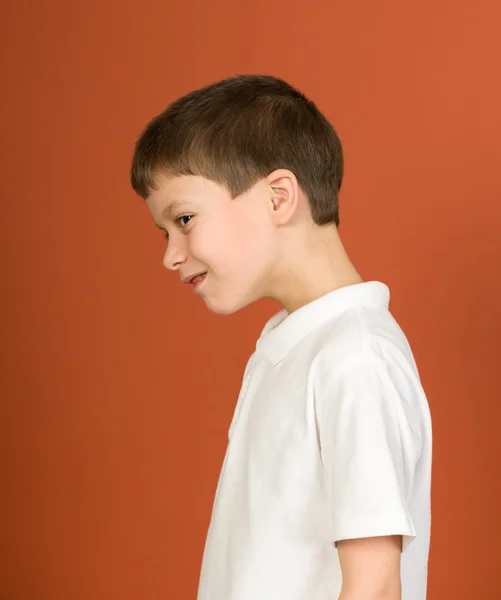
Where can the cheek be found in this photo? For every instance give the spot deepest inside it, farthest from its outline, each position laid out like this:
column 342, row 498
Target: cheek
column 234, row 245
column 249, row 255
column 220, row 242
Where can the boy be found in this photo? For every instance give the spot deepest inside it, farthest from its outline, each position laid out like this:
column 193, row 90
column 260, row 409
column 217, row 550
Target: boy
column 324, row 492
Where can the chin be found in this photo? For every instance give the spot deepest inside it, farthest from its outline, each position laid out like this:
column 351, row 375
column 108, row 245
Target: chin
column 224, row 308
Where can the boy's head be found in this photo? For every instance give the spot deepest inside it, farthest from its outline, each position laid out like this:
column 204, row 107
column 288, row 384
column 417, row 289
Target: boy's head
column 233, row 173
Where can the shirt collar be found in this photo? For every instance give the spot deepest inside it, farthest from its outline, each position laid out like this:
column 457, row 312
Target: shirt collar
column 283, row 331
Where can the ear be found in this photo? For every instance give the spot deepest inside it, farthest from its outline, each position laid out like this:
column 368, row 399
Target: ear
column 284, row 195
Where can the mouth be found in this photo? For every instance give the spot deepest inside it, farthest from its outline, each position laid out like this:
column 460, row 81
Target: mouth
column 197, row 280
column 192, row 278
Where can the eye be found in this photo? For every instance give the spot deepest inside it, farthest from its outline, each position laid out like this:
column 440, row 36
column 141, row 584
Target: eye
column 178, row 220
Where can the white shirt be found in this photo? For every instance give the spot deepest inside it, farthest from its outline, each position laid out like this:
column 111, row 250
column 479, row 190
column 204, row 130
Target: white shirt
column 330, row 440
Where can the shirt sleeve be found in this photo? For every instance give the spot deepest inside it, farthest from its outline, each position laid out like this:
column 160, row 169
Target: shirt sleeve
column 369, row 448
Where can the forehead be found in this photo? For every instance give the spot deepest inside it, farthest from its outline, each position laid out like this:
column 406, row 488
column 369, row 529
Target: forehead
column 175, row 193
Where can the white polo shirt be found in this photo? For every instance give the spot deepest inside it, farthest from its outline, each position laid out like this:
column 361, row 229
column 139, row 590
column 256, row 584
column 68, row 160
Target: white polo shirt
column 330, row 440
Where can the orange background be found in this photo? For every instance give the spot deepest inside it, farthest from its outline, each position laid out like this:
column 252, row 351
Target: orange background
column 118, row 385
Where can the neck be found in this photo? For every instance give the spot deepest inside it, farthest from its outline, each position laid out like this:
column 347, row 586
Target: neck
column 311, row 269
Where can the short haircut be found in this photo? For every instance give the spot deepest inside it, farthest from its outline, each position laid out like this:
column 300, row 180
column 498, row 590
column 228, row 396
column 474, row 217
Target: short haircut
column 238, row 130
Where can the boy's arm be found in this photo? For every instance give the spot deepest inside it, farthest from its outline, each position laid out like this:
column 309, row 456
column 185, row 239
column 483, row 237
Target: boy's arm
column 370, row 444
column 370, row 568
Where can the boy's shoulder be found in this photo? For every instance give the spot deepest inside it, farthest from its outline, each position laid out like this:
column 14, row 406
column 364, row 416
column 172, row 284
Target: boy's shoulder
column 350, row 324
column 365, row 351
column 360, row 333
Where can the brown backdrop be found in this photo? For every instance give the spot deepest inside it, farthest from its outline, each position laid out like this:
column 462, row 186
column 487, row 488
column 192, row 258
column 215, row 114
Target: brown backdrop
column 118, row 386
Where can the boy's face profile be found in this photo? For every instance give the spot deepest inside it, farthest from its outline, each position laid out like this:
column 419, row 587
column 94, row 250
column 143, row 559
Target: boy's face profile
column 230, row 241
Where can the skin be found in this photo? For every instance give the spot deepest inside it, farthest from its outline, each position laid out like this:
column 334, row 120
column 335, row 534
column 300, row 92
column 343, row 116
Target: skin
column 264, row 244
column 371, row 568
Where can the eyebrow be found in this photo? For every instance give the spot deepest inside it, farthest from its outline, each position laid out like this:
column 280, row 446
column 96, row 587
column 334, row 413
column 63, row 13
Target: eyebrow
column 169, row 210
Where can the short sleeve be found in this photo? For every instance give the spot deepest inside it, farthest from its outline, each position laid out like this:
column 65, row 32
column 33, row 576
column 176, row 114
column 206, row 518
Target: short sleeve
column 369, row 448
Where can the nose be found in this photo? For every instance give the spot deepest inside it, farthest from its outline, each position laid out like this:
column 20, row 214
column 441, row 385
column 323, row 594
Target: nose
column 175, row 255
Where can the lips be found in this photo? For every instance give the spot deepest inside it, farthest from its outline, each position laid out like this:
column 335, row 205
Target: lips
column 195, row 278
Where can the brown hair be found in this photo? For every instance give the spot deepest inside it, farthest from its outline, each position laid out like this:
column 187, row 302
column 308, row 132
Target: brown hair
column 238, row 130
